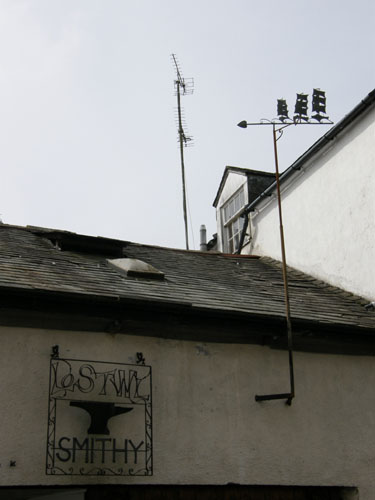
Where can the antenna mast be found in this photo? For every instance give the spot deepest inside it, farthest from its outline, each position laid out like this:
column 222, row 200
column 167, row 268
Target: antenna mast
column 184, row 86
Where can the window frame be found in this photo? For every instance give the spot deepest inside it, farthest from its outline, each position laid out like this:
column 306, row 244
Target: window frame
column 231, row 234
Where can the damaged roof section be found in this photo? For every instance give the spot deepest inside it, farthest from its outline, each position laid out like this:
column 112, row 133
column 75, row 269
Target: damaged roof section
column 65, row 240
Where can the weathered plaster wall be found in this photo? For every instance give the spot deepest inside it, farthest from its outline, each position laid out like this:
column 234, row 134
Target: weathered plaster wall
column 233, row 182
column 328, row 214
column 207, row 428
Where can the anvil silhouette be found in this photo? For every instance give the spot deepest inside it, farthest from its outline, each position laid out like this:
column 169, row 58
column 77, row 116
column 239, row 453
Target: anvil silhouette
column 100, row 413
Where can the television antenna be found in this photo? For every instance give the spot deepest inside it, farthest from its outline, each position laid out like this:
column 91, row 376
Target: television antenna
column 184, row 86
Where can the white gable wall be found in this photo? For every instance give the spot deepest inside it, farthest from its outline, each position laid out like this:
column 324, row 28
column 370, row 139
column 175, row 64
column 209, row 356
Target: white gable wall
column 328, row 214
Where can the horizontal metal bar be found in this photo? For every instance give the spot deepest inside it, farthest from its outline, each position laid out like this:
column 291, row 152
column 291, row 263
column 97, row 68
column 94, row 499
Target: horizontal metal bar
column 268, row 397
column 290, row 123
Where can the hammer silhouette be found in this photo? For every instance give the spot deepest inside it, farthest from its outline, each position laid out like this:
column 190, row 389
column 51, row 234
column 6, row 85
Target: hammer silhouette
column 100, row 413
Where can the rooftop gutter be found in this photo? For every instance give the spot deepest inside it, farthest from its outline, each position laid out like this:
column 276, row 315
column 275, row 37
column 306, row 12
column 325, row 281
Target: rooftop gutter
column 316, row 147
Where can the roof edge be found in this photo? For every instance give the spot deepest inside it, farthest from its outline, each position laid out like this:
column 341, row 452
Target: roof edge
column 112, row 307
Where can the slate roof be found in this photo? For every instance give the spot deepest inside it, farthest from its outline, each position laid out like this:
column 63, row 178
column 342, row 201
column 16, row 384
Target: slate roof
column 245, row 285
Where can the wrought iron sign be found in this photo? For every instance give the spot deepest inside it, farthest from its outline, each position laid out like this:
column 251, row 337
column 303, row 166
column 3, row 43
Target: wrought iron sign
column 99, row 418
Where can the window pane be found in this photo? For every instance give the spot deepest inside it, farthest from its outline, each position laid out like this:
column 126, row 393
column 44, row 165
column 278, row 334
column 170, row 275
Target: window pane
column 231, row 208
column 242, row 198
column 228, row 212
column 236, row 241
column 236, row 204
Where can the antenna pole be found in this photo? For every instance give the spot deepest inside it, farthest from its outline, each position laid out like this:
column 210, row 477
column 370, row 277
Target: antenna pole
column 181, row 139
column 187, row 88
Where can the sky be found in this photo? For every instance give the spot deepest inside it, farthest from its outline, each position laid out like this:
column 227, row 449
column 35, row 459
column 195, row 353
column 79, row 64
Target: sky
column 88, row 135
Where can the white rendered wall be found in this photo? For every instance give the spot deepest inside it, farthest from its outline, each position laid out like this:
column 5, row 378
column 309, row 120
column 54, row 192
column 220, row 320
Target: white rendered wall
column 207, row 427
column 233, row 182
column 328, row 214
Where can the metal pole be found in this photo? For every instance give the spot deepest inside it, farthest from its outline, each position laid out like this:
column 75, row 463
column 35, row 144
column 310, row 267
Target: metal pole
column 181, row 136
column 285, row 274
column 281, row 124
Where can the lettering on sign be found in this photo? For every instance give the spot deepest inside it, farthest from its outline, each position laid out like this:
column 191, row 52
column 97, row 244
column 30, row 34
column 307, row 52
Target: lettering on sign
column 99, row 419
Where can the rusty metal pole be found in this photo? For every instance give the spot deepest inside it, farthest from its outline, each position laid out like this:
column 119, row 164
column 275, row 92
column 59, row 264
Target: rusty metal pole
column 282, row 122
column 285, row 273
column 287, row 395
column 181, row 136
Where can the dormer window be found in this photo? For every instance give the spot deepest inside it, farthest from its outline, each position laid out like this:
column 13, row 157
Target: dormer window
column 232, row 222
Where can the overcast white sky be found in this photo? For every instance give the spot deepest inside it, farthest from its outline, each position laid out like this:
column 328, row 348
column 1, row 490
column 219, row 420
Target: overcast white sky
column 88, row 139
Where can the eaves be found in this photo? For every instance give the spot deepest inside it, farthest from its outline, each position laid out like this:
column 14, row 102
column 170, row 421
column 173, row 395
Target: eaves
column 176, row 320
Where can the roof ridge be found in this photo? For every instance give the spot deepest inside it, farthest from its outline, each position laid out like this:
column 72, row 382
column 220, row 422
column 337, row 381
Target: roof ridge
column 44, row 232
column 195, row 252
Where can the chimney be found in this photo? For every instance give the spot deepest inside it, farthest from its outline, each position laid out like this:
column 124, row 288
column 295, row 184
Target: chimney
column 203, row 239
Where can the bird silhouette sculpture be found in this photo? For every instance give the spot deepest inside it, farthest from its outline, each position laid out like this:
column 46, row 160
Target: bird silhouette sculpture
column 100, row 413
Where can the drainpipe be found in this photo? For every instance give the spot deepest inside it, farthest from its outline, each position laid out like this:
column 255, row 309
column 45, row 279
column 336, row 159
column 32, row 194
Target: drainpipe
column 243, row 232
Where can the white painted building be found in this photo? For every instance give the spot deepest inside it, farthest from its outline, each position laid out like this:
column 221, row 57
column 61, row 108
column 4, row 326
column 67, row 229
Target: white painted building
column 328, row 207
column 130, row 371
